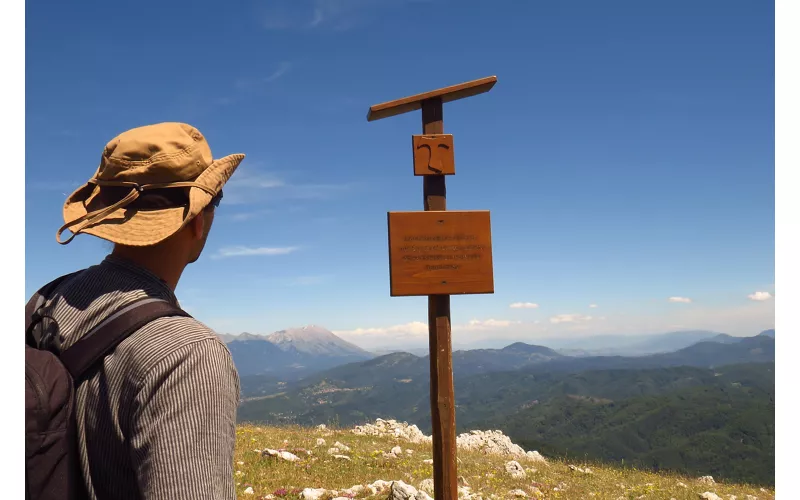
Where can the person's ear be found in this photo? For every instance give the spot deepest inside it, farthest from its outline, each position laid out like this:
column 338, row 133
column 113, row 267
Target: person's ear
column 197, row 226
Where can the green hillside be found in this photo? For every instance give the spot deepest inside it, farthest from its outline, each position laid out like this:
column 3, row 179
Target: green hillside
column 694, row 420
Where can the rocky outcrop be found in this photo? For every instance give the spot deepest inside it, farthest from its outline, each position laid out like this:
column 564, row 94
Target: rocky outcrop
column 393, row 428
column 495, row 443
column 489, row 442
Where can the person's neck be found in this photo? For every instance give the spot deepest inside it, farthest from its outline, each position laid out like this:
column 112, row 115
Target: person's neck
column 157, row 262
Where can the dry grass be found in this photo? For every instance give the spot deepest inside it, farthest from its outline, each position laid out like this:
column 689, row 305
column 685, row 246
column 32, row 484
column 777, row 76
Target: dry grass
column 485, row 474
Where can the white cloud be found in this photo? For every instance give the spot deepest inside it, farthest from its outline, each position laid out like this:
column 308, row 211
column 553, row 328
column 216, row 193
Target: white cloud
column 476, row 324
column 593, row 306
column 414, row 328
column 683, row 300
column 760, row 296
column 569, row 318
column 243, row 251
column 524, row 305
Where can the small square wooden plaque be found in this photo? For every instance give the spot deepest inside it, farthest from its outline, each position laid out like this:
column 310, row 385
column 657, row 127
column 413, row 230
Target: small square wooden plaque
column 433, row 253
column 433, row 154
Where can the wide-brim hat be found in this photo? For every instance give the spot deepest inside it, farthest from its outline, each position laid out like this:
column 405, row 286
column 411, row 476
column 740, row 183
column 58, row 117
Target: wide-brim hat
column 151, row 182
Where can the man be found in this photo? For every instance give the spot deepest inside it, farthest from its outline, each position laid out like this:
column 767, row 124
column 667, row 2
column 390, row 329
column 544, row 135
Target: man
column 156, row 419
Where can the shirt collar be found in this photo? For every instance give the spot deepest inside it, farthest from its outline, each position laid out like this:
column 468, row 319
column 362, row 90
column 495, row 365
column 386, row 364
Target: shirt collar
column 139, row 271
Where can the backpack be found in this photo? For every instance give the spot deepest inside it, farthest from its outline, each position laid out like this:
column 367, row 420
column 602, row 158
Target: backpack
column 52, row 463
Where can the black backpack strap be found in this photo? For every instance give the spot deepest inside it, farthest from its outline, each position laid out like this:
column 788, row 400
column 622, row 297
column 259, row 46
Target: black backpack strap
column 102, row 339
column 39, row 299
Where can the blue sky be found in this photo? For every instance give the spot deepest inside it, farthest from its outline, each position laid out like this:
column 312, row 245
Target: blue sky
column 625, row 154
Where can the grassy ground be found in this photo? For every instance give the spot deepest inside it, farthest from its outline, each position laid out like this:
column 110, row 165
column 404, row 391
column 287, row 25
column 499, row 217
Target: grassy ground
column 485, row 475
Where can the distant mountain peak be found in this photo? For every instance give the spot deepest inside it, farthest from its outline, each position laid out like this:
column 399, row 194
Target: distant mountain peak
column 523, row 348
column 315, row 340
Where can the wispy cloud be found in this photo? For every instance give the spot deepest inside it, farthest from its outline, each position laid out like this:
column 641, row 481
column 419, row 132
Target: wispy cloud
column 760, row 296
column 195, row 103
column 593, row 306
column 244, row 251
column 247, row 186
column 681, row 300
column 248, row 178
column 319, row 15
column 336, row 15
column 283, row 68
column 243, row 84
column 245, row 216
column 524, row 305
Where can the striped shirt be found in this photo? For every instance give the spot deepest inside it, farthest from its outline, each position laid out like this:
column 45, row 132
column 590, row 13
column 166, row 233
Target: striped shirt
column 157, row 419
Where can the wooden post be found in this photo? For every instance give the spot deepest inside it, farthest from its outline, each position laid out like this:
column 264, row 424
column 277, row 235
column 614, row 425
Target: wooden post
column 469, row 272
column 443, row 408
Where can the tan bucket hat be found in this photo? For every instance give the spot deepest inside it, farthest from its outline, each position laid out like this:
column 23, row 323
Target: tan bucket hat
column 151, row 181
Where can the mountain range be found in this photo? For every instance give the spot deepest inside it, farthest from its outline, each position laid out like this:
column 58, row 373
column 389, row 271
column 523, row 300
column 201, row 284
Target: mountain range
column 406, row 377
column 295, row 353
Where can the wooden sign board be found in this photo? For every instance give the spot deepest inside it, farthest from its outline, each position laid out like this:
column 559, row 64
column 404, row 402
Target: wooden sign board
column 440, row 252
column 433, row 154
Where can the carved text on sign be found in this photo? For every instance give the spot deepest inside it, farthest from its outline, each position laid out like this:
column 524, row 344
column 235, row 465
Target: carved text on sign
column 447, row 252
column 433, row 154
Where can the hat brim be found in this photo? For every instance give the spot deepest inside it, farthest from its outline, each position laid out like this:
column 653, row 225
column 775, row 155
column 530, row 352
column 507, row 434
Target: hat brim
column 149, row 227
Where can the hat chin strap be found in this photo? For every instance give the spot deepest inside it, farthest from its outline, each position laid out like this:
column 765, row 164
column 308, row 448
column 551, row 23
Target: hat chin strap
column 97, row 216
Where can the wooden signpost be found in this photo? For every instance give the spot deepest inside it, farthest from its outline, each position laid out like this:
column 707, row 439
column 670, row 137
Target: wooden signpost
column 438, row 253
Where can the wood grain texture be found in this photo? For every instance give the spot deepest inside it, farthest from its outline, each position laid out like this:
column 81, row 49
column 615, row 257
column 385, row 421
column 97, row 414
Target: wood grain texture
column 442, row 394
column 434, row 190
column 433, row 154
column 443, row 412
column 447, row 94
column 440, row 252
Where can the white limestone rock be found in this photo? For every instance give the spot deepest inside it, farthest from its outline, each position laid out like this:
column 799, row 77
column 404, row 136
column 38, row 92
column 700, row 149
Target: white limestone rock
column 401, row 491
column 426, row 485
column 285, row 455
column 313, row 493
column 514, row 469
